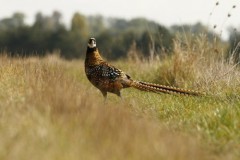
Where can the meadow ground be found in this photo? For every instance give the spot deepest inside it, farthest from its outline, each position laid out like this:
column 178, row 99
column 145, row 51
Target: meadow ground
column 49, row 110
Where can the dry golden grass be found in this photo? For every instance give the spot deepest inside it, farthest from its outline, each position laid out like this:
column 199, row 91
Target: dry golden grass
column 48, row 110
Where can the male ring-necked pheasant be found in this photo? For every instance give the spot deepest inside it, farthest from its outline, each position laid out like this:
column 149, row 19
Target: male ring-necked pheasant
column 108, row 78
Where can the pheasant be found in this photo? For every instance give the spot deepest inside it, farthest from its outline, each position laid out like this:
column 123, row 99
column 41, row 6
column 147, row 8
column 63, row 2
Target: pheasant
column 108, row 78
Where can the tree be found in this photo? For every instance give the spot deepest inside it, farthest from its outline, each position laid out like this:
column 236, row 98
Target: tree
column 234, row 46
column 16, row 21
column 78, row 35
column 187, row 31
column 156, row 42
column 96, row 25
column 79, row 26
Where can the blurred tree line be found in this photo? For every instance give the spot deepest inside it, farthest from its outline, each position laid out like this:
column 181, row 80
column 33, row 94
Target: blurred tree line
column 116, row 38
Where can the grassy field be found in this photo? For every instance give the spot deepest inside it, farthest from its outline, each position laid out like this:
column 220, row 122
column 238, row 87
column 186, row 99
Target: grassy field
column 49, row 110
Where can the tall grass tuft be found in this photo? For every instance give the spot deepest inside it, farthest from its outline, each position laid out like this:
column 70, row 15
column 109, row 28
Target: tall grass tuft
column 195, row 63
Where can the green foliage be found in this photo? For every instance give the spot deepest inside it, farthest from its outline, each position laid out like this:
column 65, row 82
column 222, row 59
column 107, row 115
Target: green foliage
column 114, row 36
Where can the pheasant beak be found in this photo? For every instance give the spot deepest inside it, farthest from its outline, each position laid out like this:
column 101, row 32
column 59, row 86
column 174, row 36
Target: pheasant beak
column 92, row 43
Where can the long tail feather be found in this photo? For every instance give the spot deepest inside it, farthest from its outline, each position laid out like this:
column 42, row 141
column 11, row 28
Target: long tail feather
column 151, row 87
